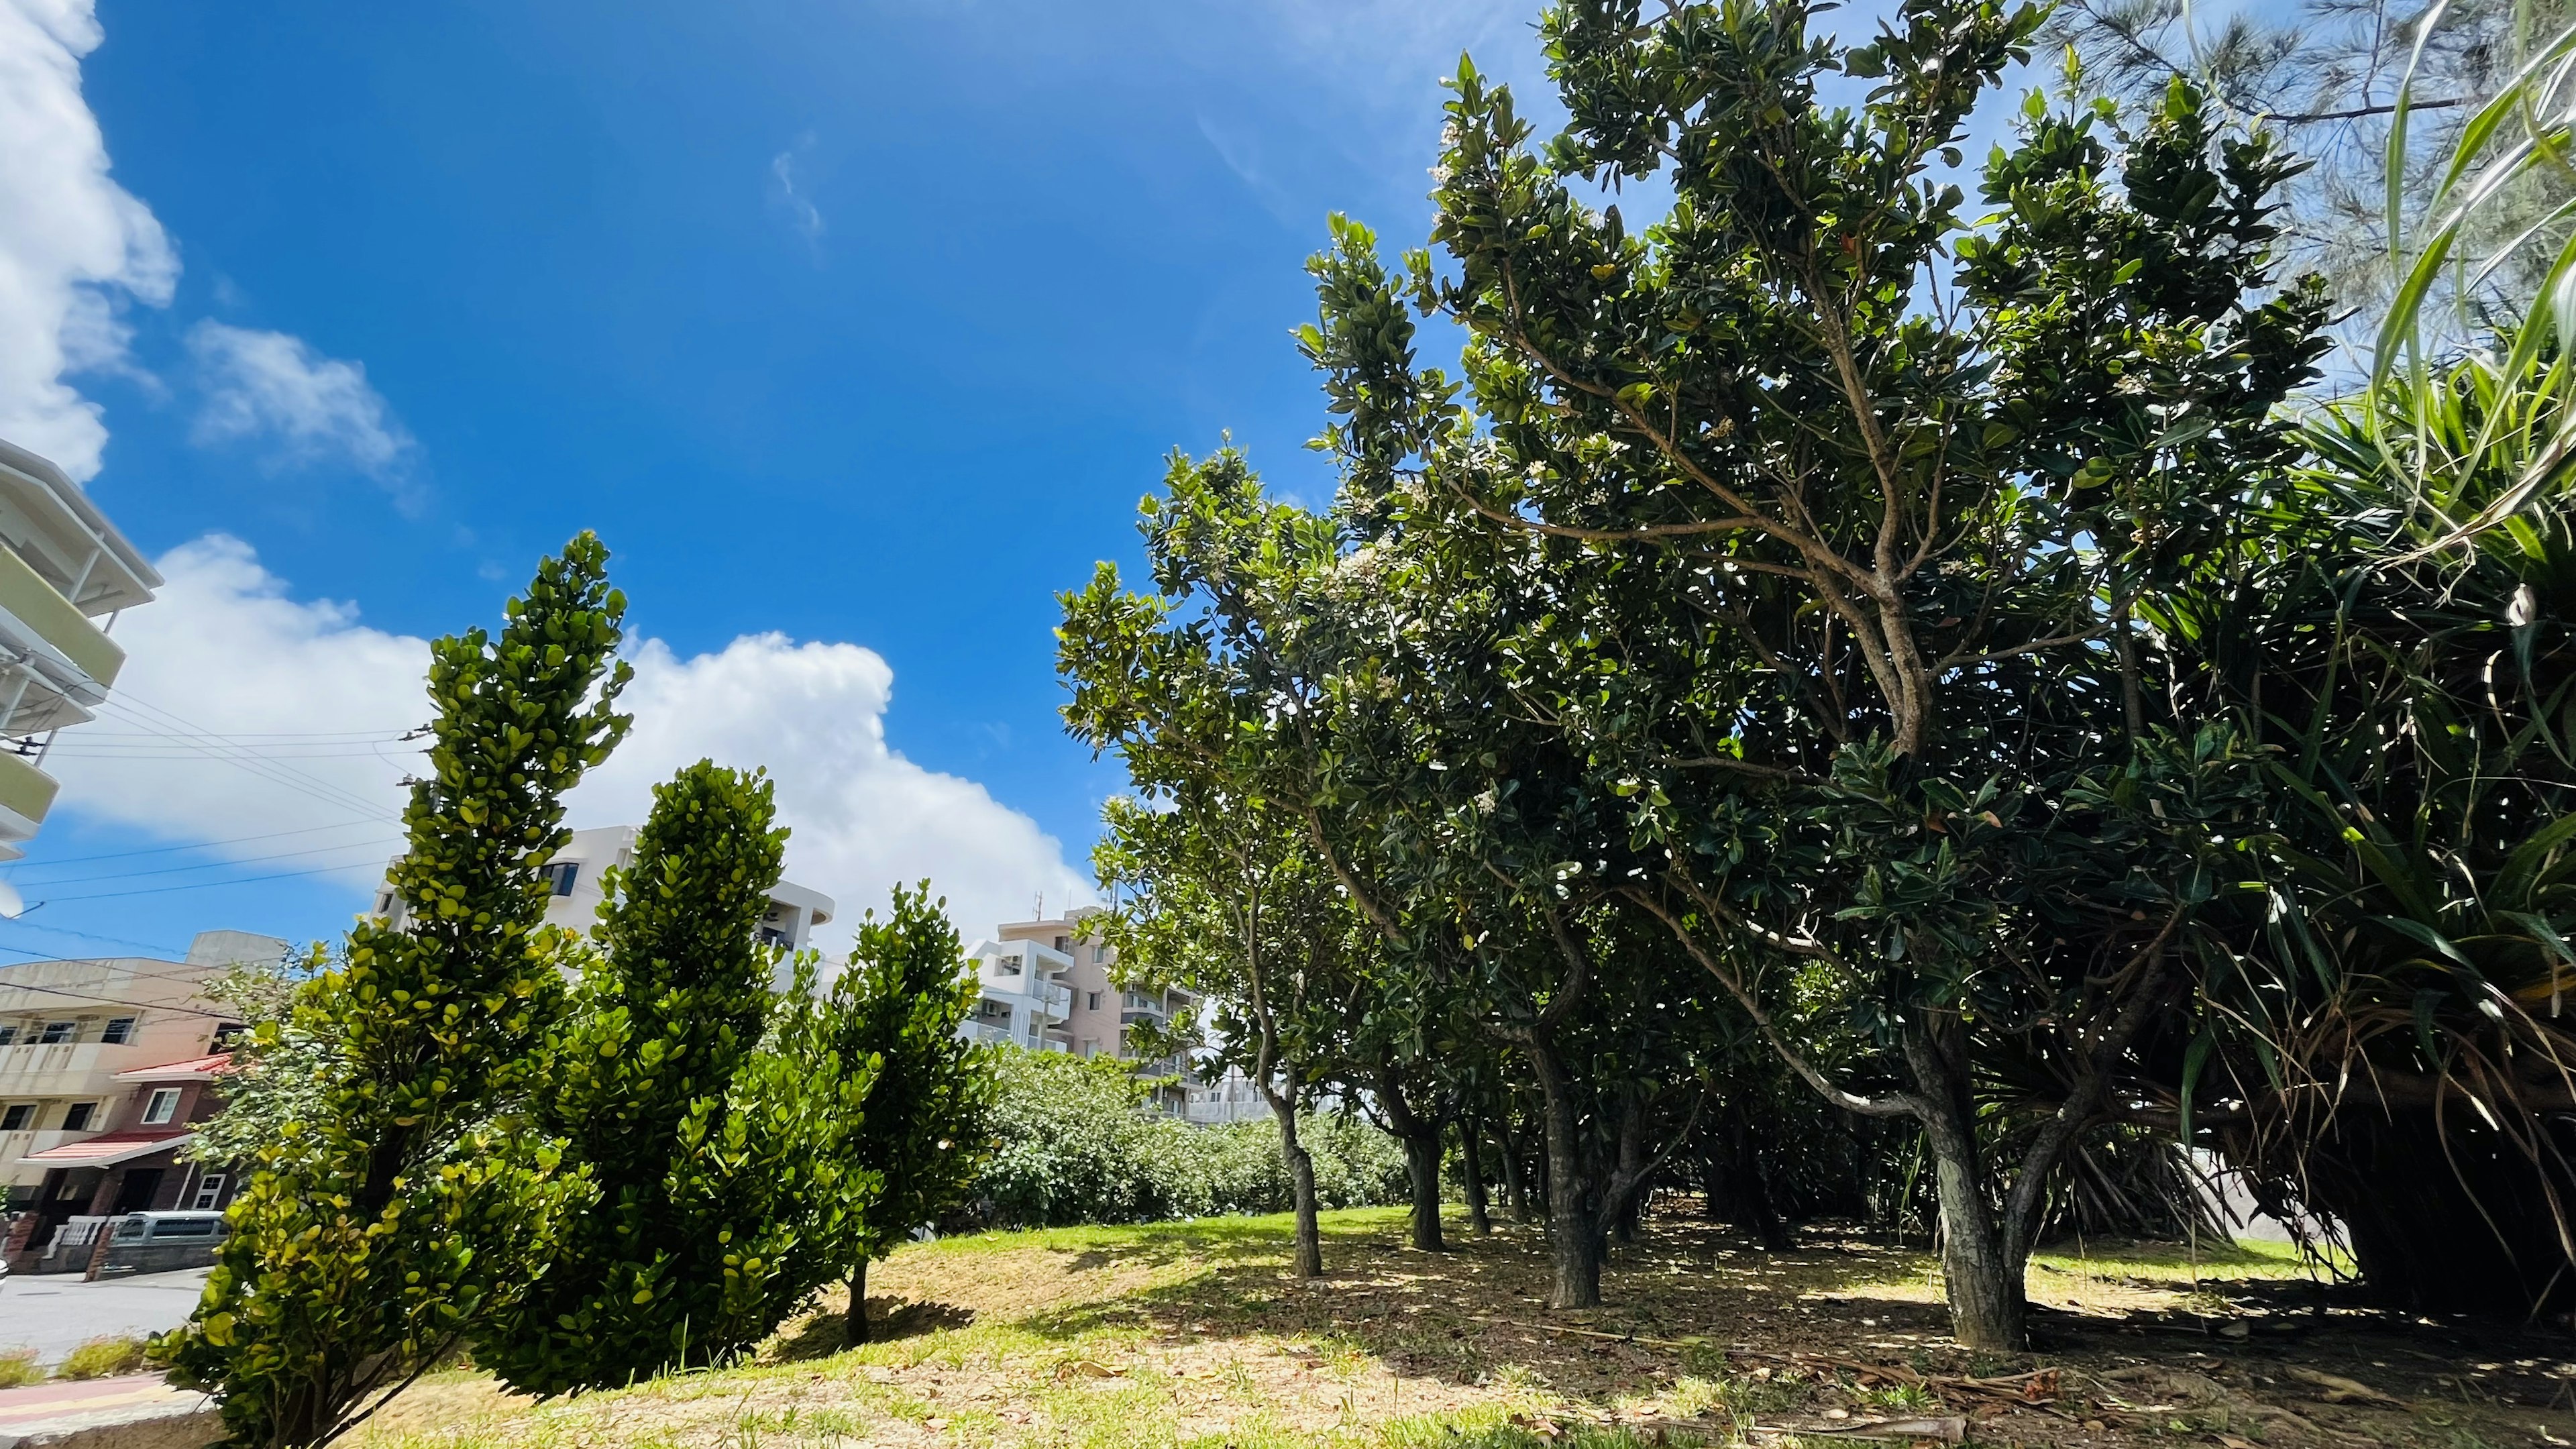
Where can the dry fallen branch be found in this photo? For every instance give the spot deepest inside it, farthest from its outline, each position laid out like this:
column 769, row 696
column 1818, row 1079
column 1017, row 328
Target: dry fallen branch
column 2341, row 1390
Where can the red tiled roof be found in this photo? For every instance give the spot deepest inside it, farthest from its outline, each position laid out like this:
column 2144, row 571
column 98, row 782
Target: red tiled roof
column 194, row 1069
column 110, row 1148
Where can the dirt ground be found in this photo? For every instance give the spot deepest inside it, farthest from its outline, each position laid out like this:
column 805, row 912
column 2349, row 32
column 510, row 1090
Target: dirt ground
column 1194, row 1335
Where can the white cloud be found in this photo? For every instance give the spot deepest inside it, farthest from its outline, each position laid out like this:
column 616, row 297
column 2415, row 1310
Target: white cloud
column 73, row 244
column 864, row 817
column 268, row 386
column 226, row 648
column 801, row 211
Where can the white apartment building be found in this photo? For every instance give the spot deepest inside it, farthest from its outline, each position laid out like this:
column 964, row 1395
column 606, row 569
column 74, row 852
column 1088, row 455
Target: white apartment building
column 76, row 1039
column 574, row 874
column 1230, row 1098
column 1045, row 986
column 63, row 566
column 1025, row 1000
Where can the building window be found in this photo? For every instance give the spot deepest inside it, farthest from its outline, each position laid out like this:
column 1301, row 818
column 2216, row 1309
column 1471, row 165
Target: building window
column 119, row 1031
column 1064, row 944
column 8, row 1033
column 1099, row 954
column 1091, row 1046
column 163, row 1106
column 210, row 1191
column 56, row 1031
column 18, row 1118
column 560, row 876
column 1094, row 1003
column 76, row 1116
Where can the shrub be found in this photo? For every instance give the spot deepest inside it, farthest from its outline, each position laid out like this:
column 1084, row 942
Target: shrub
column 18, row 1369
column 1076, row 1143
column 102, row 1358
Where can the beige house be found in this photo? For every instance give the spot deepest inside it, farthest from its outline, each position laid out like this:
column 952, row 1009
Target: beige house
column 1094, row 1015
column 78, row 1039
column 65, row 574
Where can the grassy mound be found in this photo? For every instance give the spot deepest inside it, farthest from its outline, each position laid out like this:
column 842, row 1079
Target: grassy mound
column 1191, row 1335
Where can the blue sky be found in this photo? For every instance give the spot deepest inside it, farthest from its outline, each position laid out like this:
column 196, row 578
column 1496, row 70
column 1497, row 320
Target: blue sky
column 861, row 324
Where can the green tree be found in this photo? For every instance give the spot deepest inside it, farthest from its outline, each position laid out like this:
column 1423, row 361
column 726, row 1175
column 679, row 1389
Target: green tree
column 417, row 1201
column 927, row 1124
column 1857, row 673
column 1223, row 897
column 657, row 1086
column 280, row 1072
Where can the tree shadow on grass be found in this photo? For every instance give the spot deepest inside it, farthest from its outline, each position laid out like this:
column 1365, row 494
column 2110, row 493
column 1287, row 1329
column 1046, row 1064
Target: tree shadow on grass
column 827, row 1332
column 1477, row 1311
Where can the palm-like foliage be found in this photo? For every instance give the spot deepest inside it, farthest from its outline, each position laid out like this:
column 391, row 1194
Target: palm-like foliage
column 2386, row 1038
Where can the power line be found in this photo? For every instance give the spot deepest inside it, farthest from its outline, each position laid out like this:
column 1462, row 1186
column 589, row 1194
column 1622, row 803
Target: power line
column 112, row 1001
column 388, row 735
column 199, row 845
column 368, row 845
column 177, row 751
column 133, row 710
column 158, row 950
column 202, row 885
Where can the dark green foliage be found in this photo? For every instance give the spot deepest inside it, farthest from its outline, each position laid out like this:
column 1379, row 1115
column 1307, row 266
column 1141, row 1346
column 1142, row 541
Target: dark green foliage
column 922, row 1135
column 417, row 1200
column 659, row 1084
column 1075, row 1142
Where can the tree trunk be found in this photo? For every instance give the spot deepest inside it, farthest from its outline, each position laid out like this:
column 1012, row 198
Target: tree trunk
column 854, row 1324
column 1515, row 1192
column 1301, row 1182
column 1981, row 1270
column 1421, row 1133
column 1751, row 1196
column 1422, row 1153
column 1471, row 1156
column 1573, row 1232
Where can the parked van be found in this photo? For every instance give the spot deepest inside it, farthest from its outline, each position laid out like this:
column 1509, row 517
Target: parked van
column 169, row 1228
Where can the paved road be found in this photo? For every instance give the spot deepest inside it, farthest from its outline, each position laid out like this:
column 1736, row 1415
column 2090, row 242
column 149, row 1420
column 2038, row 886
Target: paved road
column 55, row 1313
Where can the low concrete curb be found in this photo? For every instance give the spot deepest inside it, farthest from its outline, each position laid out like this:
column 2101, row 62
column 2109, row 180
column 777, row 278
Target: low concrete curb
column 141, row 1412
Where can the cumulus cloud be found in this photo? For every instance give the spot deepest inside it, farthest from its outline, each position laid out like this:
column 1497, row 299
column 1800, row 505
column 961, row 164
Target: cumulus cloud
column 270, row 388
column 74, row 245
column 246, row 712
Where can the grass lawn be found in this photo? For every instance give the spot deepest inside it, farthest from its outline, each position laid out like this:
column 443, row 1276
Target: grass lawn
column 1192, row 1335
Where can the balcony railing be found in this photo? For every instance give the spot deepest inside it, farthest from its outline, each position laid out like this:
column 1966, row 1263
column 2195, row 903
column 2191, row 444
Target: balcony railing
column 1055, row 999
column 27, row 1060
column 55, row 627
column 25, row 791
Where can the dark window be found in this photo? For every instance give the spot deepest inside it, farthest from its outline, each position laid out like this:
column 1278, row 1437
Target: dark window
column 226, row 1035
column 1064, row 943
column 210, row 1191
column 76, row 1116
column 17, row 1117
column 8, row 1034
column 187, row 1227
column 561, row 876
column 135, row 1194
column 119, row 1031
column 57, row 1031
column 1094, row 1003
